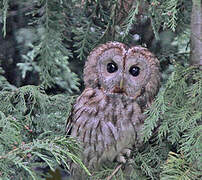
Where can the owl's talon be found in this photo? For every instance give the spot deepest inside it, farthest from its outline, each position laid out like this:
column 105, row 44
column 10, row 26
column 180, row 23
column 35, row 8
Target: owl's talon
column 127, row 152
column 124, row 155
column 121, row 159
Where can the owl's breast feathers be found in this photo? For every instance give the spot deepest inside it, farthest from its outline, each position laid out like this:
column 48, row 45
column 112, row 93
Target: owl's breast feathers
column 105, row 124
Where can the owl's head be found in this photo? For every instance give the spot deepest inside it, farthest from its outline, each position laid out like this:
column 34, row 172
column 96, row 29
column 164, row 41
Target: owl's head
column 115, row 68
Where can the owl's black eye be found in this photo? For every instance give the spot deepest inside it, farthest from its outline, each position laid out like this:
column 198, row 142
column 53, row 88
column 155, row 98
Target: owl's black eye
column 112, row 67
column 134, row 70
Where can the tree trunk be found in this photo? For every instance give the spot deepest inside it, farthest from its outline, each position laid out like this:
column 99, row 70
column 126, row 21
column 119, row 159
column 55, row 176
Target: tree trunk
column 196, row 33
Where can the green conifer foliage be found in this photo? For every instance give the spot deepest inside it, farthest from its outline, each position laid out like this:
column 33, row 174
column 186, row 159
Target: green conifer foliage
column 52, row 47
column 177, row 114
column 32, row 132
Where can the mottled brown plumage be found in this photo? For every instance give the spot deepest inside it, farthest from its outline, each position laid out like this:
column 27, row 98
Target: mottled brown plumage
column 120, row 83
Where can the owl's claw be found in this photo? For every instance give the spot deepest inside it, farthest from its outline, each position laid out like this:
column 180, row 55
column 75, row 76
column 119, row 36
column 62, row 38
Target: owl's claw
column 127, row 152
column 123, row 156
column 121, row 159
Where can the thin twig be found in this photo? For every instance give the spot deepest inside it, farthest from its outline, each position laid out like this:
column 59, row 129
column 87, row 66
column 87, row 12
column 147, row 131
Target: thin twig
column 10, row 152
column 114, row 172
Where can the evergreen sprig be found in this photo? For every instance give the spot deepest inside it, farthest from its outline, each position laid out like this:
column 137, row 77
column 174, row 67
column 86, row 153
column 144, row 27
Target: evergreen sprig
column 130, row 20
column 86, row 37
column 32, row 132
column 24, row 156
column 93, row 27
column 178, row 116
column 51, row 53
column 169, row 14
column 176, row 168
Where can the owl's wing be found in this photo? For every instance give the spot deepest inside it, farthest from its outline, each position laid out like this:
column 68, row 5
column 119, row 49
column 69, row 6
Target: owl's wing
column 78, row 105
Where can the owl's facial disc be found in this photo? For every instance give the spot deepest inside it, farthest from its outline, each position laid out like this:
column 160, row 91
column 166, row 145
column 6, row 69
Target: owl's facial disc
column 122, row 72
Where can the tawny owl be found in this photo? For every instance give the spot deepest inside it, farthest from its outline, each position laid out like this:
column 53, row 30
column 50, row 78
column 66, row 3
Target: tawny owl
column 120, row 83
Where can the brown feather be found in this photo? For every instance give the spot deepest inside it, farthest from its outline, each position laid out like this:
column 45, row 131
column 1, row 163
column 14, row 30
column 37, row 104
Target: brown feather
column 108, row 119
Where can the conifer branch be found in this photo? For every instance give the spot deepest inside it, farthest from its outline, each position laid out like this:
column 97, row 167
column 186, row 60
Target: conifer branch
column 32, row 132
column 129, row 21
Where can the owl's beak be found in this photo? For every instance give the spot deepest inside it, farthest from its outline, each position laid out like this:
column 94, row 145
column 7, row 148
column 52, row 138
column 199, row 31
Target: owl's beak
column 119, row 89
column 121, row 84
